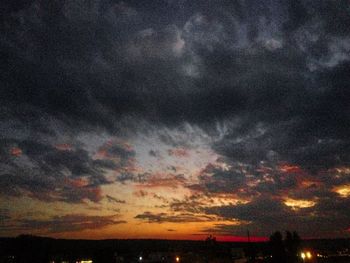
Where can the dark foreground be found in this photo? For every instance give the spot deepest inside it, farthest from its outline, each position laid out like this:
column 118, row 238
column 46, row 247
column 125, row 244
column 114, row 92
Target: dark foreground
column 44, row 250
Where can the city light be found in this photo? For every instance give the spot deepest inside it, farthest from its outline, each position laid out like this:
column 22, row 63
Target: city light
column 177, row 259
column 140, row 258
column 306, row 255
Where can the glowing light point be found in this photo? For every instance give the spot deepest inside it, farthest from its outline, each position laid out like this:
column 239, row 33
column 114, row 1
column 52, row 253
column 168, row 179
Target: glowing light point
column 308, row 255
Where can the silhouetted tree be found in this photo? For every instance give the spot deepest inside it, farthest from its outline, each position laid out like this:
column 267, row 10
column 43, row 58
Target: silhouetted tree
column 277, row 248
column 210, row 240
column 292, row 245
column 285, row 250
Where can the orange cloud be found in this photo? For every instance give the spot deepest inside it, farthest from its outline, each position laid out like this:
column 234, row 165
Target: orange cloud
column 178, row 152
column 64, row 147
column 78, row 182
column 288, row 168
column 343, row 190
column 140, row 193
column 297, row 204
column 121, row 147
column 342, row 170
column 15, row 151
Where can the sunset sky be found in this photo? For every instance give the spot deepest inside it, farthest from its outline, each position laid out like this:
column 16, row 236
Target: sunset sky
column 174, row 119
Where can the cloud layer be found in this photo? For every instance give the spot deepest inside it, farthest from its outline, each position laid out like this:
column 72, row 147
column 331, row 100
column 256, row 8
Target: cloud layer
column 241, row 106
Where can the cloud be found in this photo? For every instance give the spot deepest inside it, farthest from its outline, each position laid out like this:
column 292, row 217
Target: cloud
column 64, row 223
column 241, row 76
column 153, row 153
column 190, row 204
column 44, row 172
column 15, row 151
column 264, row 83
column 122, row 155
column 178, row 152
column 160, row 198
column 162, row 180
column 216, row 179
column 112, row 199
column 263, row 215
column 140, row 193
column 173, row 218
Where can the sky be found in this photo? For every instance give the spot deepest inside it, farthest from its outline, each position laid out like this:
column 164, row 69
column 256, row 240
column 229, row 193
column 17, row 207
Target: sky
column 174, row 119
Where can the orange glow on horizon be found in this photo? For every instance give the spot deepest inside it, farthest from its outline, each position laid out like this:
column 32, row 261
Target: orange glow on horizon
column 241, row 239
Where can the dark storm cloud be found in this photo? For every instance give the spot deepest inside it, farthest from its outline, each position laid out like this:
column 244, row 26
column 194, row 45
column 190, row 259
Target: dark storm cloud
column 104, row 58
column 261, row 209
column 47, row 173
column 86, row 62
column 249, row 180
column 102, row 61
column 218, row 180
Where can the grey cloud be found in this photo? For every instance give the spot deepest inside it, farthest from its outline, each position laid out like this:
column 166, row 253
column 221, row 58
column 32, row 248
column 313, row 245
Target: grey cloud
column 92, row 79
column 219, row 180
column 261, row 209
column 47, row 173
column 327, row 218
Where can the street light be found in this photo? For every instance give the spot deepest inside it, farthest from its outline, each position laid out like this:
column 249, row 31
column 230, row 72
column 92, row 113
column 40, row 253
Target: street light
column 308, row 255
column 177, row 259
